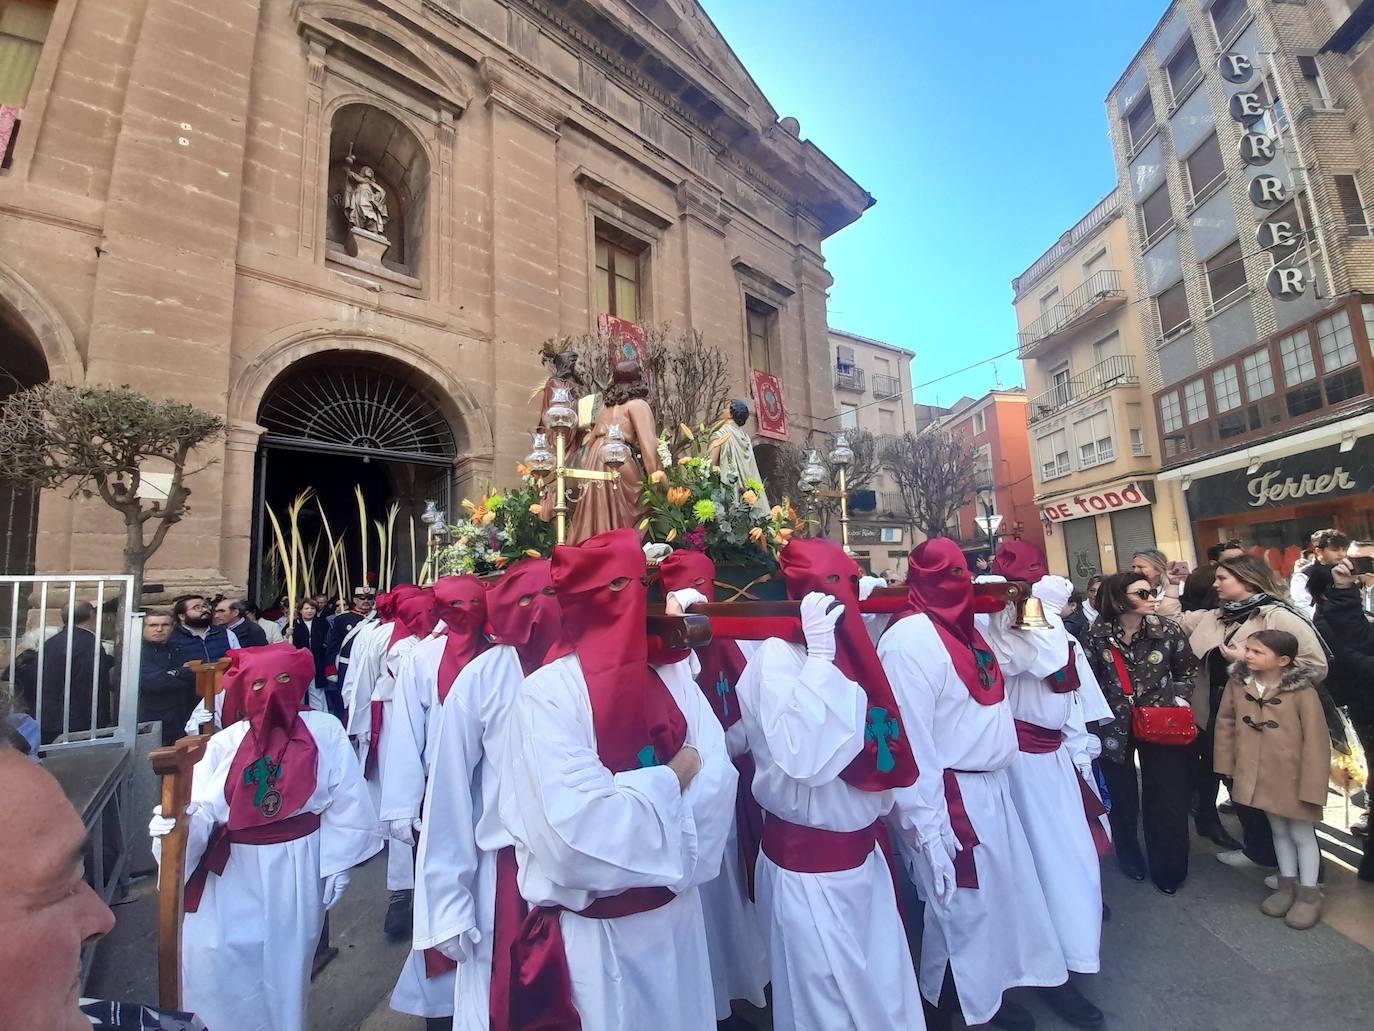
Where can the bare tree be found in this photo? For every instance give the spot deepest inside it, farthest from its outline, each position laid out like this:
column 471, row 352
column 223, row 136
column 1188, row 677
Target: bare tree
column 935, row 475
column 98, row 440
column 689, row 379
column 785, row 472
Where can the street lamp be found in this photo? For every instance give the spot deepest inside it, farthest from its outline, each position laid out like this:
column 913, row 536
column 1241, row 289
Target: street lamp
column 841, row 455
column 987, row 498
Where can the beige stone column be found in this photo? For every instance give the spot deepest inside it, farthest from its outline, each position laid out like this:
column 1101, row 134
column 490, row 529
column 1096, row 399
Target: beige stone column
column 808, row 380
column 524, row 246
column 240, row 500
column 164, row 289
column 706, row 271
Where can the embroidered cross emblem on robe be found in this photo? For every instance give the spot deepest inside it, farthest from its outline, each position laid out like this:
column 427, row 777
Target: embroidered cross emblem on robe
column 262, row 773
column 723, row 691
column 880, row 728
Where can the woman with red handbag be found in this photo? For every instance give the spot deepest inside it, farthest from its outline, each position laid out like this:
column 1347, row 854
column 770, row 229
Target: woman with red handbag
column 1146, row 669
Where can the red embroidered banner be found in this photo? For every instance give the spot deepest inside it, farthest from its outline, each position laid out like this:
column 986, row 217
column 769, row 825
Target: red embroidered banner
column 772, row 416
column 624, row 340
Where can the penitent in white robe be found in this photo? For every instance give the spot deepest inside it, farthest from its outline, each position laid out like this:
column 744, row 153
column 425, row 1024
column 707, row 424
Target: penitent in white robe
column 455, row 875
column 407, row 732
column 838, row 950
column 582, row 833
column 1050, row 801
column 376, row 674
column 247, row 951
column 998, row 935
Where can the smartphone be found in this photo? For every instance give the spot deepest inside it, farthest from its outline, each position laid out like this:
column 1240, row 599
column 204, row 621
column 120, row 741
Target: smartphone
column 1362, row 565
column 1179, row 568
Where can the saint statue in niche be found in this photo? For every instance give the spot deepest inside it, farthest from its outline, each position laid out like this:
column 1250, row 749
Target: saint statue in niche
column 364, row 200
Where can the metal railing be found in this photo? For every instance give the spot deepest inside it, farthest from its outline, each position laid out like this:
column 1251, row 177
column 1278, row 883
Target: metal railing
column 41, row 648
column 890, row 501
column 849, row 377
column 886, row 386
column 1107, row 208
column 1101, row 286
column 1116, row 371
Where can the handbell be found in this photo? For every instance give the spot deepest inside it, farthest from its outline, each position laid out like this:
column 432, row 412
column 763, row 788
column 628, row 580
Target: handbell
column 1030, row 615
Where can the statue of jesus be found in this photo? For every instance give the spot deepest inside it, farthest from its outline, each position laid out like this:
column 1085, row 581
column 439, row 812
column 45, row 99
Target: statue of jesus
column 733, row 451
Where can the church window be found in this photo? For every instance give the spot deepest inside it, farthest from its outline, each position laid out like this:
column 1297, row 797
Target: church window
column 23, row 28
column 620, row 267
column 762, row 323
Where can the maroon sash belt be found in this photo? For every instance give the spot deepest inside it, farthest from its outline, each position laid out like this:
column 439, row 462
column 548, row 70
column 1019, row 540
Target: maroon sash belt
column 374, row 736
column 1034, row 739
column 540, row 997
column 813, row 850
column 748, row 820
column 216, row 856
column 965, row 867
column 1093, row 809
column 510, row 914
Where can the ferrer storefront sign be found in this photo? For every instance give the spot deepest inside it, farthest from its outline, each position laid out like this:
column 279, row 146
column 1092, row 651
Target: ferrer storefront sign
column 1311, row 477
column 1096, row 502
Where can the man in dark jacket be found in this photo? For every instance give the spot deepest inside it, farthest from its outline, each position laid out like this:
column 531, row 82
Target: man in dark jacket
column 230, row 615
column 334, row 663
column 166, row 691
column 195, row 635
column 1341, row 620
column 89, row 677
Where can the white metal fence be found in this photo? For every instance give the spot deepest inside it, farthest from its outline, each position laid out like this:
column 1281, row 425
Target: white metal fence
column 77, row 678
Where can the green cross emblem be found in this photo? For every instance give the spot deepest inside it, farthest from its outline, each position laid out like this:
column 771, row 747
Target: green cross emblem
column 723, row 691
column 986, row 664
column 262, row 773
column 646, row 757
column 880, row 728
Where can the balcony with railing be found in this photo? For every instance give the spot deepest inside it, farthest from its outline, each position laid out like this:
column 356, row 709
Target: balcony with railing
column 1116, row 371
column 1318, row 372
column 849, row 377
column 1107, row 209
column 1101, row 292
column 886, row 386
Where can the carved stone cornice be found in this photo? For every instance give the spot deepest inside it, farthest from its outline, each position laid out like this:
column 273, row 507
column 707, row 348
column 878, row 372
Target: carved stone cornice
column 509, row 88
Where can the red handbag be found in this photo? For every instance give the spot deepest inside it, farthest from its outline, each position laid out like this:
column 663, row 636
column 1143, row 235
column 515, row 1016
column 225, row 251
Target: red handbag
column 1155, row 724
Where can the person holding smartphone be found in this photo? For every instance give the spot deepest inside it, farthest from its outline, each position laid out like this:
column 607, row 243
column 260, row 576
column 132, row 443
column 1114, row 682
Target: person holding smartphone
column 1342, row 622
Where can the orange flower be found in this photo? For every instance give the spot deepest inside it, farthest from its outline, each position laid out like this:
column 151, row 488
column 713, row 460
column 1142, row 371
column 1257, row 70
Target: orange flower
column 776, row 513
column 750, row 498
column 469, row 505
column 756, row 534
column 531, row 553
column 488, row 518
column 522, row 469
column 499, row 561
column 658, row 476
column 679, row 496
column 785, row 534
column 672, row 536
column 536, row 509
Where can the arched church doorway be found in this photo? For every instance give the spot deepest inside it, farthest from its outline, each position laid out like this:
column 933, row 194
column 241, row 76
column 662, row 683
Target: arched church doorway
column 21, row 366
column 345, row 426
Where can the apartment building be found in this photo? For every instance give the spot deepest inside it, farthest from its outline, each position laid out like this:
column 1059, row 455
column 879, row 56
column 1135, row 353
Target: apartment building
column 1243, row 152
column 995, row 426
column 1095, row 456
column 873, row 392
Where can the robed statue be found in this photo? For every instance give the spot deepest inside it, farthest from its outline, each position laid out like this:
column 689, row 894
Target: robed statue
column 364, row 199
column 614, row 504
column 733, row 451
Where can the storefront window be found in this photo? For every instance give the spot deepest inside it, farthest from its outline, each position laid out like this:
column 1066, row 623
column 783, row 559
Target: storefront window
column 1337, row 342
column 1296, row 354
column 1195, row 400
column 1259, row 375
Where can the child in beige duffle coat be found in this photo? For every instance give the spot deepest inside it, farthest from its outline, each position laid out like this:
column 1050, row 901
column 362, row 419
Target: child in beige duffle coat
column 1271, row 739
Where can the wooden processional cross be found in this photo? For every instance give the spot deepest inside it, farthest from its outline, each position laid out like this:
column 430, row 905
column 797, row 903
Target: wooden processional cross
column 174, row 765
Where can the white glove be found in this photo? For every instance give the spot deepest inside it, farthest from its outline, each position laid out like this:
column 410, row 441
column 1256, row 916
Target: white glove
column 687, row 597
column 403, row 830
column 818, row 621
column 453, row 949
column 334, row 887
column 653, row 553
column 869, row 584
column 160, row 826
column 943, row 884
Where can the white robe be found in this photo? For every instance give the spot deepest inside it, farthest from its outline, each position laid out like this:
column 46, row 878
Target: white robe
column 582, row 833
column 1050, row 802
column 407, row 732
column 838, row 950
column 247, row 951
column 734, row 935
column 999, row 935
column 455, row 877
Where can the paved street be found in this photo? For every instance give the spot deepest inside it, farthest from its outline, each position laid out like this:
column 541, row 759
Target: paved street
column 1205, row 960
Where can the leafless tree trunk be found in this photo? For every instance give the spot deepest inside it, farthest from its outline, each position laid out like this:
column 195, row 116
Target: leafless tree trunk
column 934, row 472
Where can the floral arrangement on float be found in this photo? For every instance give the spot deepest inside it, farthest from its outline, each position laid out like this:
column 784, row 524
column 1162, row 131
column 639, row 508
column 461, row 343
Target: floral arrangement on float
column 691, row 507
column 497, row 530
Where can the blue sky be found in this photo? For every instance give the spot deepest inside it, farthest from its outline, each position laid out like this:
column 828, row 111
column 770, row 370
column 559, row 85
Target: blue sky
column 981, row 130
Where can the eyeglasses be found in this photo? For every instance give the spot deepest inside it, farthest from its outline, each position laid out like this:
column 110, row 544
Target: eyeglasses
column 1142, row 594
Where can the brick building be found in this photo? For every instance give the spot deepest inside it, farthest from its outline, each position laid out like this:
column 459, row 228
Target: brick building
column 996, row 428
column 1245, row 156
column 1094, row 446
column 173, row 192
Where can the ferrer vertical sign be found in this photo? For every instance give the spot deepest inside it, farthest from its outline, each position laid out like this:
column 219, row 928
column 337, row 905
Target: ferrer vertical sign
column 1281, row 237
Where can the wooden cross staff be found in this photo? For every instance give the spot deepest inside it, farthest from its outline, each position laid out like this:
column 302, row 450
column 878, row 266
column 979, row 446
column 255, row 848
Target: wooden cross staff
column 175, row 765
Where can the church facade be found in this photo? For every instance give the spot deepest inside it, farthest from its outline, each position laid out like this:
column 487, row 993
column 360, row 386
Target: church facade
column 347, row 226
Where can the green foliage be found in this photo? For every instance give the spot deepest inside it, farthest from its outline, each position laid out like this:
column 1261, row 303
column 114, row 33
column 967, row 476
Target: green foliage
column 502, row 528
